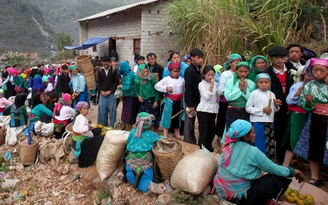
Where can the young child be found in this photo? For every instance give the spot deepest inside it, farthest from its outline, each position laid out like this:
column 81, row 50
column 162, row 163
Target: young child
column 261, row 105
column 237, row 92
column 147, row 95
column 86, row 145
column 130, row 101
column 173, row 86
column 297, row 115
column 313, row 140
column 139, row 161
column 207, row 108
column 63, row 112
column 3, row 102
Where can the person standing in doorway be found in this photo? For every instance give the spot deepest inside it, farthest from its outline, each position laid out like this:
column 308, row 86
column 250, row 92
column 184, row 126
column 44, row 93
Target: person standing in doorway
column 107, row 82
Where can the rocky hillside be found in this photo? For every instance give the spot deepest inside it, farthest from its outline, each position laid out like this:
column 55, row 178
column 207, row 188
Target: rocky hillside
column 33, row 25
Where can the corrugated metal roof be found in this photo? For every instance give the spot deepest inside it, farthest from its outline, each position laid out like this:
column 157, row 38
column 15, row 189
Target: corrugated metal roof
column 116, row 10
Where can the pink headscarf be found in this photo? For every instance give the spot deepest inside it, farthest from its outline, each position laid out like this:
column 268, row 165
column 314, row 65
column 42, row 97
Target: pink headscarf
column 12, row 71
column 62, row 101
column 46, row 70
column 57, row 69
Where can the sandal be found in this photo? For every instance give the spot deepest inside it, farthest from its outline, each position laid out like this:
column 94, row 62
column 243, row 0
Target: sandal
column 316, row 183
column 179, row 138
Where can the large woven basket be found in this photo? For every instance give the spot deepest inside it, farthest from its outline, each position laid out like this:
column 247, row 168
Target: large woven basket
column 2, row 135
column 90, row 79
column 84, row 64
column 167, row 152
column 27, row 153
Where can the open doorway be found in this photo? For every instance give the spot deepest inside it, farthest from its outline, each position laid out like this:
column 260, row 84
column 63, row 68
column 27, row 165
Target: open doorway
column 111, row 45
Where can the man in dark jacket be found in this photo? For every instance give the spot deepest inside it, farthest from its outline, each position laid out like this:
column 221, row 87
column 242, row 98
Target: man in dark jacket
column 107, row 80
column 192, row 96
column 281, row 81
column 154, row 68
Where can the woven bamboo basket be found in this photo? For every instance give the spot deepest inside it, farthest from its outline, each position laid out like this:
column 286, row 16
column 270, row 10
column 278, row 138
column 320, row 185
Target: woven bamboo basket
column 2, row 135
column 27, row 153
column 90, row 79
column 167, row 152
column 84, row 64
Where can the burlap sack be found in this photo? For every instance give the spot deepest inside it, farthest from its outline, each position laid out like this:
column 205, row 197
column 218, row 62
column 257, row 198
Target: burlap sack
column 111, row 152
column 194, row 172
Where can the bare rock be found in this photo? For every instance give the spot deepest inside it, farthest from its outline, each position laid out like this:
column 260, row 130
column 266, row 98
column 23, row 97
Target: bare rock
column 65, row 170
column 163, row 199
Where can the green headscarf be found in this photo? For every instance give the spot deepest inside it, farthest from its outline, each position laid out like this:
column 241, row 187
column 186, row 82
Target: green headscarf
column 250, row 55
column 139, row 78
column 235, row 76
column 231, row 57
column 254, row 59
column 72, row 67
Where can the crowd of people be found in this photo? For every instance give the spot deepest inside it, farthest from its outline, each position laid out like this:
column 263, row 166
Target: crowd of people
column 283, row 104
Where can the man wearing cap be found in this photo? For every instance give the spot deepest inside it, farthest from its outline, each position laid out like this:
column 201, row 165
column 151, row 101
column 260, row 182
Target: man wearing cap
column 282, row 80
column 107, row 80
column 140, row 60
column 154, row 67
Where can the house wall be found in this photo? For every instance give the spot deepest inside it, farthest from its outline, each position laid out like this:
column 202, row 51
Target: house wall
column 127, row 25
column 152, row 38
column 146, row 23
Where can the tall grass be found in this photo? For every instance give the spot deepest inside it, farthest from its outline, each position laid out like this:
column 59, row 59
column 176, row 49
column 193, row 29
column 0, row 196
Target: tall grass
column 220, row 27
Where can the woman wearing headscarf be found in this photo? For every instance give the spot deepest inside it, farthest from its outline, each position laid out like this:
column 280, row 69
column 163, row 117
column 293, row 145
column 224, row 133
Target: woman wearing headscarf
column 85, row 144
column 139, row 160
column 79, row 86
column 39, row 110
column 258, row 64
column 63, row 112
column 130, row 101
column 239, row 177
column 230, row 66
column 18, row 118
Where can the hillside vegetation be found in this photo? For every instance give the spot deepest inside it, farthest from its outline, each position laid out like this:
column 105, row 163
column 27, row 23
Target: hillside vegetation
column 33, row 25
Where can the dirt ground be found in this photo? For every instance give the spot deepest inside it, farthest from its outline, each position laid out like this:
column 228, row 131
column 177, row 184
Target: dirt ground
column 53, row 182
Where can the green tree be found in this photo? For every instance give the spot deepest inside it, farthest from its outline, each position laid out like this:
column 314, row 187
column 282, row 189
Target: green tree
column 15, row 58
column 63, row 40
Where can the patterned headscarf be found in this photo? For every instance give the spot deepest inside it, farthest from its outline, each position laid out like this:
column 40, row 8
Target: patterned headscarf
column 318, row 61
column 139, row 78
column 81, row 105
column 231, row 57
column 238, row 129
column 144, row 121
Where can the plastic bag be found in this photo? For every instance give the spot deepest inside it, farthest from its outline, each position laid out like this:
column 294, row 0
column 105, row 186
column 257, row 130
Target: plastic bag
column 118, row 93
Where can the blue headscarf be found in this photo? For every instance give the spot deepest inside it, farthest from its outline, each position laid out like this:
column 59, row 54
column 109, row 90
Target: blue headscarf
column 125, row 68
column 262, row 75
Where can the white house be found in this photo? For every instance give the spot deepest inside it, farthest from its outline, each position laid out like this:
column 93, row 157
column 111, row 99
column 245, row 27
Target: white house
column 133, row 28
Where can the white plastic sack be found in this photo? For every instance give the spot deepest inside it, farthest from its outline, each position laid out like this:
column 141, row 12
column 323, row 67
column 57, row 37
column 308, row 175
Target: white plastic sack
column 194, row 172
column 44, row 129
column 111, row 151
column 11, row 134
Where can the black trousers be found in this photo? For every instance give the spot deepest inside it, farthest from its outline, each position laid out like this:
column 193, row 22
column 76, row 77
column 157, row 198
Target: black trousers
column 262, row 189
column 206, row 123
column 221, row 118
